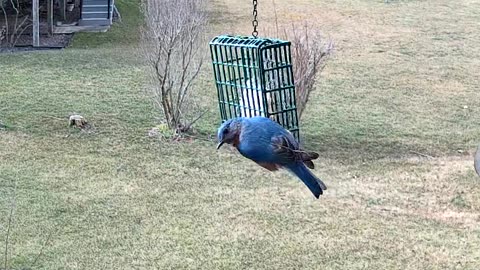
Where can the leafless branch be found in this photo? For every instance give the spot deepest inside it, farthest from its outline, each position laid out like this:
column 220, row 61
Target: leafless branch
column 13, row 29
column 173, row 45
column 276, row 17
column 9, row 223
column 19, row 29
column 187, row 127
column 421, row 154
column 309, row 55
column 11, row 215
column 42, row 248
column 17, row 12
column 4, row 31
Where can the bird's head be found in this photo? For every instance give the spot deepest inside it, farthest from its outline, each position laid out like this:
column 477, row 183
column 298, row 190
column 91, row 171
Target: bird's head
column 229, row 132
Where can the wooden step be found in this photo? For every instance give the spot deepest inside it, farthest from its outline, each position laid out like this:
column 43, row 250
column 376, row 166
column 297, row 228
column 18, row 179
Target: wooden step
column 94, row 15
column 95, row 8
column 80, row 28
column 95, row 2
column 94, row 21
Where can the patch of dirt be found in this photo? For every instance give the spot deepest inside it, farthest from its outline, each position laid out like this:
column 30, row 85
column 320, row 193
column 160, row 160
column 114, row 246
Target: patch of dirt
column 447, row 216
column 440, row 189
column 47, row 42
column 56, row 40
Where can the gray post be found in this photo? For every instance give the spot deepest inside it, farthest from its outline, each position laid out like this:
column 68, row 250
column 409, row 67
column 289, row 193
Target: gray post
column 63, row 8
column 36, row 26
column 50, row 16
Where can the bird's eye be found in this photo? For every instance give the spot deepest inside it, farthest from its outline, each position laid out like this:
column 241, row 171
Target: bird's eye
column 225, row 131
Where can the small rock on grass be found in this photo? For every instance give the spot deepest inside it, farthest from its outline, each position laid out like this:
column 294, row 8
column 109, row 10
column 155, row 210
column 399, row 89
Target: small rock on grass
column 77, row 120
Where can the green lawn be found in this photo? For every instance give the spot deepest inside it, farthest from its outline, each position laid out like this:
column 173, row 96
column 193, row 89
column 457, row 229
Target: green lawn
column 403, row 85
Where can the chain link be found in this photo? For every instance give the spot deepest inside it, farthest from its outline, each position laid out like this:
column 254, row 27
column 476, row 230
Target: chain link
column 255, row 21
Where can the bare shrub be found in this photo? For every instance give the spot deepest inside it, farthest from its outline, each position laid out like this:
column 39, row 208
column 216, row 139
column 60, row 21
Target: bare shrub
column 14, row 25
column 173, row 43
column 309, row 54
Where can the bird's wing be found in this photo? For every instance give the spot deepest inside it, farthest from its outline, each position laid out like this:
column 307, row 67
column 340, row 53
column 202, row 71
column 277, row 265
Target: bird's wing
column 263, row 140
column 286, row 150
column 283, row 149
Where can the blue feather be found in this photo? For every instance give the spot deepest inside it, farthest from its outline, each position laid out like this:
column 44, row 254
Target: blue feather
column 315, row 185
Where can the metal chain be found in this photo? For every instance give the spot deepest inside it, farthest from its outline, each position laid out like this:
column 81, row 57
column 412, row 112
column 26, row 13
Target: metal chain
column 255, row 21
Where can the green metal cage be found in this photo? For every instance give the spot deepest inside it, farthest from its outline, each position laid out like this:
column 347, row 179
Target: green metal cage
column 254, row 77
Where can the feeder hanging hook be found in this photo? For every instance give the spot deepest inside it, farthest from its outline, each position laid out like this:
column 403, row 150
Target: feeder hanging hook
column 255, row 21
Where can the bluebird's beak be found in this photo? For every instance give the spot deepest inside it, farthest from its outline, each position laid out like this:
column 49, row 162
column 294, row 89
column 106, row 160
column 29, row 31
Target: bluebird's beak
column 220, row 144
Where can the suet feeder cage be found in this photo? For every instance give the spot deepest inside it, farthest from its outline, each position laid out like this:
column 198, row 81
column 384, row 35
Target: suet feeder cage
column 254, row 77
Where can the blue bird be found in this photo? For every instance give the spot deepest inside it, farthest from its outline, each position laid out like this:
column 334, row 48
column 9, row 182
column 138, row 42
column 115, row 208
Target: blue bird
column 270, row 146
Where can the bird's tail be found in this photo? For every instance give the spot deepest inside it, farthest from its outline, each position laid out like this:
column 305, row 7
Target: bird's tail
column 315, row 185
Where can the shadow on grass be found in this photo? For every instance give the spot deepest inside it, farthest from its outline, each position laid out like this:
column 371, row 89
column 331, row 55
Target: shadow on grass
column 346, row 149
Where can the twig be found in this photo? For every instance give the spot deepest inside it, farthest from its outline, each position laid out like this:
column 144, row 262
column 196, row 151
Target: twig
column 15, row 26
column 56, row 118
column 420, row 154
column 41, row 250
column 276, row 15
column 10, row 218
column 6, row 20
column 309, row 56
column 19, row 27
column 476, row 162
column 195, row 120
column 198, row 138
